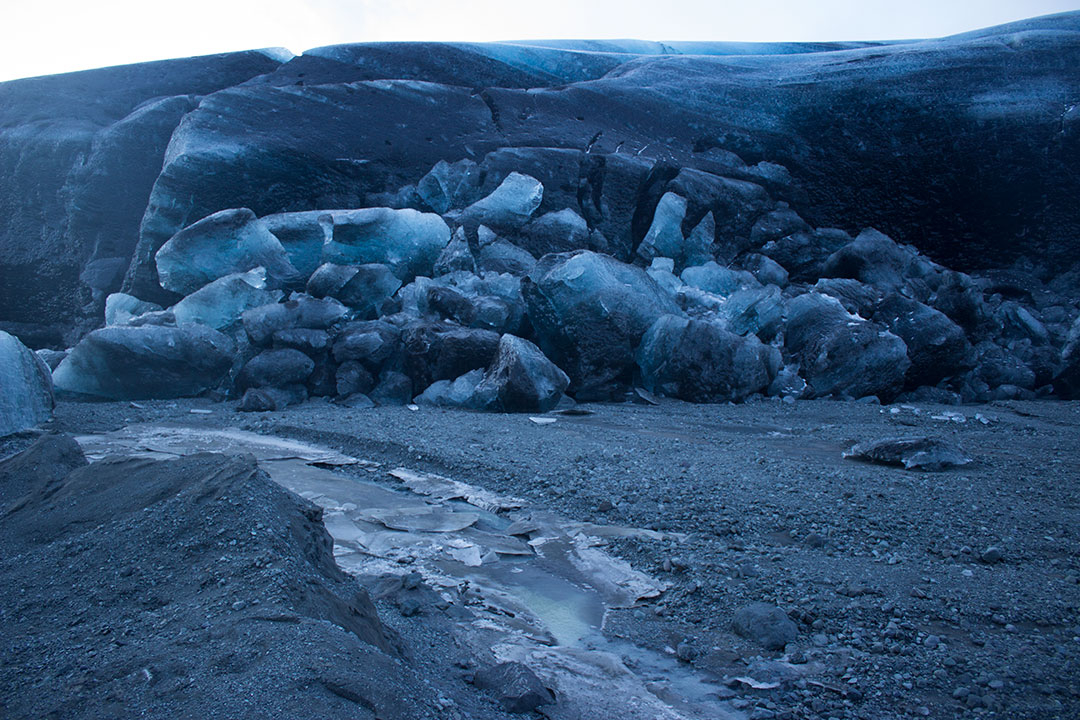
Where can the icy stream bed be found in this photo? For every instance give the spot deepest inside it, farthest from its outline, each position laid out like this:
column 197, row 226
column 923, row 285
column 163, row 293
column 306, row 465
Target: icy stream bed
column 535, row 587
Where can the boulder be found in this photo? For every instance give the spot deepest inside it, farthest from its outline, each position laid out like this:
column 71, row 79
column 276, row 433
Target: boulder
column 407, row 241
column 457, row 393
column 961, row 299
column 302, row 235
column 141, row 363
column 371, row 342
column 51, row 358
column 722, row 210
column 872, row 258
column 502, row 256
column 438, row 351
column 856, row 297
column 26, row 387
column 776, row 224
column 1067, row 382
column 843, row 355
column 227, row 242
column 804, row 253
column 520, row 379
column 367, row 289
column 717, row 279
column 394, row 388
column 589, row 312
column 560, row 231
column 700, row 361
column 766, row 270
column 269, row 399
column 221, row 303
column 665, row 236
column 509, row 207
column 455, row 256
column 448, row 185
column 310, row 341
column 120, row 308
column 515, row 686
column 997, row 366
column 753, row 311
column 276, row 368
column 936, row 346
column 352, row 378
column 300, row 311
column 766, row 625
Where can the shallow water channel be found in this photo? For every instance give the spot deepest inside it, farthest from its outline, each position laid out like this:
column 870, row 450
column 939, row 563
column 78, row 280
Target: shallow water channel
column 536, row 587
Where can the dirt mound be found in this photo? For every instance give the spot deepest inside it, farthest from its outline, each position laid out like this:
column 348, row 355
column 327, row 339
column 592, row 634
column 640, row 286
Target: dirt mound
column 193, row 587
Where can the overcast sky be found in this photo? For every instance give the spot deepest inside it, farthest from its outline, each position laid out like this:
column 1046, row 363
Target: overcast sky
column 39, row 37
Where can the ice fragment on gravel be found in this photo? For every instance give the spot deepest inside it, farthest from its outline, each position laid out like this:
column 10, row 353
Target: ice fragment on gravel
column 910, row 453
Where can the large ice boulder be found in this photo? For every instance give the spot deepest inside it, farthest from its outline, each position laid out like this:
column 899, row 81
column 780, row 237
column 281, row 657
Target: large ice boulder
column 872, row 258
column 152, row 361
column 302, row 235
column 26, row 389
column 221, row 303
column 121, row 308
column 520, row 379
column 843, row 355
column 561, row 231
column 509, row 206
column 276, row 368
column 664, row 237
column 299, row 311
column 589, row 312
column 227, row 242
column 1067, row 382
column 700, row 361
column 804, row 253
column 366, row 289
column 936, row 346
column 440, row 351
column 407, row 241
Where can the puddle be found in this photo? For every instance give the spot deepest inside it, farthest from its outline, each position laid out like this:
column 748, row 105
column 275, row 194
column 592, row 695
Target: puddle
column 536, row 586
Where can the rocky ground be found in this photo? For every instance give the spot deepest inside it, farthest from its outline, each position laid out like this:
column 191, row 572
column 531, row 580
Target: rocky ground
column 914, row 594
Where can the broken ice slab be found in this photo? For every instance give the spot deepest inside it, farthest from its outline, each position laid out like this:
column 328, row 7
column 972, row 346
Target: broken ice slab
column 443, row 489
column 224, row 243
column 407, row 241
column 910, row 453
column 422, row 519
column 220, row 303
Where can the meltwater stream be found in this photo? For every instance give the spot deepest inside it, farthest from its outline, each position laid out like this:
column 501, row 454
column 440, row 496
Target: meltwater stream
column 536, row 586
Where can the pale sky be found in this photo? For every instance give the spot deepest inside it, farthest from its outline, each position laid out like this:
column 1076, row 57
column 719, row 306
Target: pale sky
column 39, row 37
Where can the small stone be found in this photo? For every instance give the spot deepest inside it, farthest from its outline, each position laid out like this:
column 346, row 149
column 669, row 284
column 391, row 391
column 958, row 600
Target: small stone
column 992, row 555
column 932, row 641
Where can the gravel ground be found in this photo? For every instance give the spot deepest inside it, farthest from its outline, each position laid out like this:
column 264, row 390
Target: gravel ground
column 950, row 594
